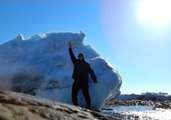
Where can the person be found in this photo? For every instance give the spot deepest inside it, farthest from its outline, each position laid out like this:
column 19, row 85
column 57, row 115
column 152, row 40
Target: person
column 80, row 75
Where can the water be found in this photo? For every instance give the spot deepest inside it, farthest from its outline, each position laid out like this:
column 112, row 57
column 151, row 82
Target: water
column 137, row 112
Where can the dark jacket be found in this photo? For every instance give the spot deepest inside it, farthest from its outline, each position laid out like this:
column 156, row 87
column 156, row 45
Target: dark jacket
column 82, row 69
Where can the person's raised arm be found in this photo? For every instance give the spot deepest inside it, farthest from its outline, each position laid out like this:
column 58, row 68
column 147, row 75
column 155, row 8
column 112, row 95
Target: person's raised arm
column 72, row 56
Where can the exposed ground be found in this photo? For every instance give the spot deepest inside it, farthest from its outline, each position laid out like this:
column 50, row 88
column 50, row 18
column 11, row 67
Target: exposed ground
column 155, row 104
column 18, row 106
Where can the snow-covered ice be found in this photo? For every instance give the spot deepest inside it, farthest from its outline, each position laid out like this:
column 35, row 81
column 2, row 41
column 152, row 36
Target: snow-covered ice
column 41, row 65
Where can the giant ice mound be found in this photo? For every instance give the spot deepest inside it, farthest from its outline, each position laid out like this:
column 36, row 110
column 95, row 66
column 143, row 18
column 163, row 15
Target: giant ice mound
column 41, row 65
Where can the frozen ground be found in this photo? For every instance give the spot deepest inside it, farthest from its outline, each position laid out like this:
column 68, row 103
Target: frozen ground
column 138, row 112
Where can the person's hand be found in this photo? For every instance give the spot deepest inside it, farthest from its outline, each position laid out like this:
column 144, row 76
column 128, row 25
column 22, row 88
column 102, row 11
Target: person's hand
column 69, row 44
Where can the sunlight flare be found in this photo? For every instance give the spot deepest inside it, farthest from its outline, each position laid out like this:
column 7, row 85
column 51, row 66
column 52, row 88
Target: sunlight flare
column 156, row 12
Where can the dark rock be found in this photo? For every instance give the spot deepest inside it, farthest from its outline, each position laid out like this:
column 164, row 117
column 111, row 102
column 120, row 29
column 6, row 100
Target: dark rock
column 158, row 104
column 18, row 106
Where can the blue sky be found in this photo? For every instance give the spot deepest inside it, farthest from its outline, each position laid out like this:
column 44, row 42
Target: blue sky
column 127, row 33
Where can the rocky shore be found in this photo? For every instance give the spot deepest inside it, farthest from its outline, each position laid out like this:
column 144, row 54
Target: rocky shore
column 18, row 106
column 155, row 104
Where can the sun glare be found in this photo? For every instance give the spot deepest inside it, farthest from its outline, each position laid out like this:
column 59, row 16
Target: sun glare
column 156, row 12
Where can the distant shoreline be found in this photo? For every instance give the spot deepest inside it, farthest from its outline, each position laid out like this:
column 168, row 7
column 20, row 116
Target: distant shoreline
column 155, row 104
column 156, row 100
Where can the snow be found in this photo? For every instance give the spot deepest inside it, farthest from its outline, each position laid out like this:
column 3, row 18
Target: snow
column 44, row 60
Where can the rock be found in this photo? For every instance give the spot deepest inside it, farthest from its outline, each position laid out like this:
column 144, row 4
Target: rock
column 40, row 65
column 18, row 106
column 158, row 104
column 146, row 96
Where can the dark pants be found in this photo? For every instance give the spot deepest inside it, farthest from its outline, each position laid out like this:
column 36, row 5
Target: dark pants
column 75, row 89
